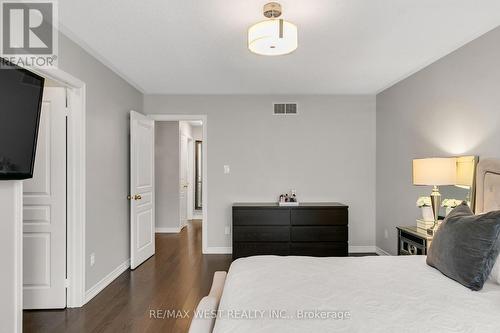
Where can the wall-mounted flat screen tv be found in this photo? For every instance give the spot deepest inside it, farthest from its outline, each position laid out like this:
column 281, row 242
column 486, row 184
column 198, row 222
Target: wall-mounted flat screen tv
column 21, row 94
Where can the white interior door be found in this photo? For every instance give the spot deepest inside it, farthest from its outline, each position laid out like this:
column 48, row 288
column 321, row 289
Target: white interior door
column 142, row 209
column 183, row 180
column 44, row 211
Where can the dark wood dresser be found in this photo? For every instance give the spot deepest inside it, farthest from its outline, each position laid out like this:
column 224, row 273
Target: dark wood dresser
column 311, row 229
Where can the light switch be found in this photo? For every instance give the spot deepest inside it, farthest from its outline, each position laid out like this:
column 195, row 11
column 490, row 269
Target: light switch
column 227, row 170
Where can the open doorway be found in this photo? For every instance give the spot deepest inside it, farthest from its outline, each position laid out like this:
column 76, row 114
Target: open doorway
column 179, row 177
column 198, row 178
column 193, row 131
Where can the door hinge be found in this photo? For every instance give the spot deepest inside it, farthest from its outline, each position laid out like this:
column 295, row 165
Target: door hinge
column 66, row 283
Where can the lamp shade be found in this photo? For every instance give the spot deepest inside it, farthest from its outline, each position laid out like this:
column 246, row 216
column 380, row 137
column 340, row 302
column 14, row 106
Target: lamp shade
column 435, row 171
column 465, row 170
column 272, row 37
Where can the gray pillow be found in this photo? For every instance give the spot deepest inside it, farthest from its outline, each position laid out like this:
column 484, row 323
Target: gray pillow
column 466, row 246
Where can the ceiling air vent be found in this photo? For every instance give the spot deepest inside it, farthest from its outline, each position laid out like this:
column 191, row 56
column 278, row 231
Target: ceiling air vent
column 285, row 108
column 291, row 109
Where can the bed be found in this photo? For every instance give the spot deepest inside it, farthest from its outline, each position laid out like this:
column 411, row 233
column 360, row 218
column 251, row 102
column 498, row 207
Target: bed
column 381, row 294
column 358, row 294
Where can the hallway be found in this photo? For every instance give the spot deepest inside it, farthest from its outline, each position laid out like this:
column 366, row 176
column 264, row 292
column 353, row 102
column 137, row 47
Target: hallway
column 175, row 278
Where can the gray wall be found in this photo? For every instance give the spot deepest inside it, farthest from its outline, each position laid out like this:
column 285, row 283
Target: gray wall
column 167, row 174
column 109, row 100
column 327, row 153
column 450, row 108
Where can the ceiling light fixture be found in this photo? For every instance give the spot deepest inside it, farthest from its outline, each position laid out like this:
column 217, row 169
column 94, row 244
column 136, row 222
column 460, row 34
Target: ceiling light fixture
column 274, row 36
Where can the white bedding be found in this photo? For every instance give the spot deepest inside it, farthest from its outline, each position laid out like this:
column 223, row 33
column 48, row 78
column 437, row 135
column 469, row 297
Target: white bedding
column 381, row 294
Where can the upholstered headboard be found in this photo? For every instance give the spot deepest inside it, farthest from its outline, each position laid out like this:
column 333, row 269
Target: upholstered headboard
column 488, row 185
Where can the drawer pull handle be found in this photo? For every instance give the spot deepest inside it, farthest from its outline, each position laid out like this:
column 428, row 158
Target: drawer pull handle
column 412, row 249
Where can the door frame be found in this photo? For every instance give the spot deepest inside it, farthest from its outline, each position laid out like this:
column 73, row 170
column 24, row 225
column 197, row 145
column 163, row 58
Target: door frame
column 203, row 118
column 181, row 224
column 76, row 180
column 190, row 177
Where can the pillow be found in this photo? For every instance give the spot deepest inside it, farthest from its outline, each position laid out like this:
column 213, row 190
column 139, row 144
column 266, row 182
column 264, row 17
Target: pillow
column 466, row 246
column 495, row 272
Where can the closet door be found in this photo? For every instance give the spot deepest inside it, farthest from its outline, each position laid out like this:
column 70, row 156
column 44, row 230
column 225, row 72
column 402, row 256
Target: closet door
column 44, row 211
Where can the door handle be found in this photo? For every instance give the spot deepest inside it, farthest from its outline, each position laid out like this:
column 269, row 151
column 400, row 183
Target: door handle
column 129, row 197
column 137, row 197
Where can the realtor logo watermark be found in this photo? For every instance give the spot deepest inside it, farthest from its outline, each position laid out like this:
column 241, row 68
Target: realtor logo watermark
column 251, row 314
column 29, row 33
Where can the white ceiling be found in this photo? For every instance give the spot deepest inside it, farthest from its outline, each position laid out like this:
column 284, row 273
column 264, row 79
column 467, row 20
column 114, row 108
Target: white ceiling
column 345, row 46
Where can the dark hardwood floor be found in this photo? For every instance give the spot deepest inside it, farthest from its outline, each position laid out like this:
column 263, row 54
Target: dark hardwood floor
column 175, row 278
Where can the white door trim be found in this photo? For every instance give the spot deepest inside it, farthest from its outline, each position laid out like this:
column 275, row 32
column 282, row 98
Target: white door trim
column 183, row 210
column 190, row 178
column 203, row 118
column 75, row 184
column 12, row 192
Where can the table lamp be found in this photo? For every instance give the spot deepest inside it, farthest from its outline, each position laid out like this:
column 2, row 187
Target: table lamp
column 435, row 172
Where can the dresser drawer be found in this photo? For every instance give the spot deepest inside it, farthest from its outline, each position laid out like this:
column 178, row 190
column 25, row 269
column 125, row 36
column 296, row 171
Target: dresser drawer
column 268, row 216
column 319, row 249
column 261, row 234
column 319, row 234
column 318, row 216
column 319, row 230
column 247, row 249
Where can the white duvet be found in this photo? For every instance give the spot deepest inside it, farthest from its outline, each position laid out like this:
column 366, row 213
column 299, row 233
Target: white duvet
column 379, row 294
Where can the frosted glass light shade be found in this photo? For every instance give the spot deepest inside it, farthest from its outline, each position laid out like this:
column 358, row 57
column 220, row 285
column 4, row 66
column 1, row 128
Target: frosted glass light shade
column 264, row 38
column 435, row 171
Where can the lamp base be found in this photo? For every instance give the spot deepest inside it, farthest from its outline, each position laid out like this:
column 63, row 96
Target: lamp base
column 436, row 204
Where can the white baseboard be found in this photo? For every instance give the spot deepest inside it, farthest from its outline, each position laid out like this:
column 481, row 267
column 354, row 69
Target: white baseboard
column 381, row 252
column 174, row 230
column 362, row 249
column 197, row 217
column 218, row 250
column 99, row 286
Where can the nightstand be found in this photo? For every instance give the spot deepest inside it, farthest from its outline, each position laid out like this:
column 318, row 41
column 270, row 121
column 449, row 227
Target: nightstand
column 412, row 241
